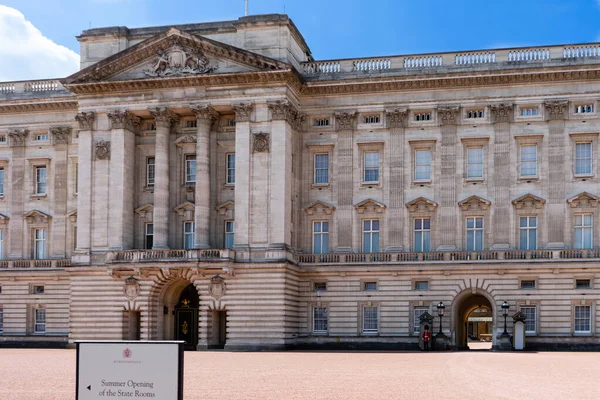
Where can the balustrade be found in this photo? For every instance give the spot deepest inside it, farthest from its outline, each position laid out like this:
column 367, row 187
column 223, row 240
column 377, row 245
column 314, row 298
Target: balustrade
column 371, row 65
column 423, row 62
column 581, row 51
column 132, row 256
column 29, row 264
column 529, row 55
column 475, row 58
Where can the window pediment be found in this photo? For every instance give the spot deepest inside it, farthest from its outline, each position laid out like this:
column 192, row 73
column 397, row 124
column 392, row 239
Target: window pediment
column 421, row 204
column 224, row 207
column 319, row 207
column 36, row 216
column 528, row 201
column 474, row 203
column 584, row 200
column 72, row 216
column 187, row 139
column 3, row 219
column 144, row 210
column 184, row 207
column 370, row 205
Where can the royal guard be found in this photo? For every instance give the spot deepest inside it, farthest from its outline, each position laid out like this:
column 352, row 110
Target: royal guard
column 426, row 338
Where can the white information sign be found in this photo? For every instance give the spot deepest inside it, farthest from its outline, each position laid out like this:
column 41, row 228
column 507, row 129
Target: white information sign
column 129, row 370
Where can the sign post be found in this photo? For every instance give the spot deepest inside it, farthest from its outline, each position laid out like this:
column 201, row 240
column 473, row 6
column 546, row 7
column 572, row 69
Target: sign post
column 129, row 370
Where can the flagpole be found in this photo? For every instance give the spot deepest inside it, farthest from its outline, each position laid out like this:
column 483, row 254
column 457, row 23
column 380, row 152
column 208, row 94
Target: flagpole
column 246, row 8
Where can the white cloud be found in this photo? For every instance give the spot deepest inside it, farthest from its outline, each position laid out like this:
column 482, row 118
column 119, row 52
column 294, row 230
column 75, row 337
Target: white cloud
column 27, row 54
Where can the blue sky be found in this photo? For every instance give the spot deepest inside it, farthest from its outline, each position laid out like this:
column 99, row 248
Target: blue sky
column 342, row 29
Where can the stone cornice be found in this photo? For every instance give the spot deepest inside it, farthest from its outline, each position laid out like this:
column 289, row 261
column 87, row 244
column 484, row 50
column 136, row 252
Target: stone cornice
column 38, row 107
column 120, row 119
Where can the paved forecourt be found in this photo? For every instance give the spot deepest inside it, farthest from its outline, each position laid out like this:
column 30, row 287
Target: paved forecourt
column 50, row 375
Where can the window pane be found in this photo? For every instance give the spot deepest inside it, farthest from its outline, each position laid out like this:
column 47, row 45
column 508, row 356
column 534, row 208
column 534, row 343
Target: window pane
column 366, row 225
column 371, row 159
column 418, row 223
column 231, row 168
column 426, row 223
column 375, row 225
column 422, row 172
column 423, row 157
column 325, row 226
column 426, row 241
column 417, row 312
column 367, row 242
column 320, row 319
column 532, row 239
column 370, row 319
column 478, row 240
column 375, row 242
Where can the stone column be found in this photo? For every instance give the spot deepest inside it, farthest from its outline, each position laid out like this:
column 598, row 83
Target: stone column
column 446, row 187
column 243, row 113
column 501, row 117
column 164, row 119
column 205, row 117
column 345, row 180
column 84, row 195
column 396, row 120
column 556, row 113
column 17, row 139
column 122, row 179
column 60, row 136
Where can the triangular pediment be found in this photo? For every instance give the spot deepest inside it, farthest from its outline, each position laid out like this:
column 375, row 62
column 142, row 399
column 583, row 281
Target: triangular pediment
column 319, row 206
column 529, row 201
column 421, row 204
column 369, row 205
column 36, row 216
column 145, row 210
column 584, row 200
column 183, row 207
column 224, row 207
column 474, row 203
column 72, row 215
column 174, row 53
column 4, row 219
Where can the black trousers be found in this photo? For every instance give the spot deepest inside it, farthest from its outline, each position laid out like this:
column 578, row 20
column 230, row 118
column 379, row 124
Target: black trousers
column 426, row 346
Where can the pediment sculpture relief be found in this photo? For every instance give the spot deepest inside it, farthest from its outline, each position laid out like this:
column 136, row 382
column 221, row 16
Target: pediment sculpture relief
column 180, row 61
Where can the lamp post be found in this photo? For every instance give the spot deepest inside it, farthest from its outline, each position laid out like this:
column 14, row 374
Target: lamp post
column 440, row 308
column 505, row 306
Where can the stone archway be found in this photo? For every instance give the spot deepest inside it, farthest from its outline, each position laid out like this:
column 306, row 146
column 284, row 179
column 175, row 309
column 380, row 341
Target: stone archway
column 464, row 304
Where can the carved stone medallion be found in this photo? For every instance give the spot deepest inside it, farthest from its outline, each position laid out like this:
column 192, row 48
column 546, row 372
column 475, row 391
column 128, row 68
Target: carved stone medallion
column 261, row 143
column 103, row 150
column 132, row 288
column 178, row 61
column 217, row 287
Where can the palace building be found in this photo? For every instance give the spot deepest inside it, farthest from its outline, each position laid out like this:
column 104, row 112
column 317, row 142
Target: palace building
column 214, row 183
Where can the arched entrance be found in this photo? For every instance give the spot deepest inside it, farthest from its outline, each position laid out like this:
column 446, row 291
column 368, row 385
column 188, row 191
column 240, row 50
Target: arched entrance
column 178, row 313
column 475, row 320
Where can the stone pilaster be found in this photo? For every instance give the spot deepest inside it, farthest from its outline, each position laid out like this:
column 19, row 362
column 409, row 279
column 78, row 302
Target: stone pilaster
column 84, row 196
column 164, row 119
column 446, row 187
column 345, row 123
column 205, row 117
column 396, row 120
column 122, row 179
column 556, row 113
column 501, row 115
column 60, row 136
column 17, row 139
column 243, row 143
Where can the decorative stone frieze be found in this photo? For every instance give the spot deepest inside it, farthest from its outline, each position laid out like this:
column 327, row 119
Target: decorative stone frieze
column 319, row 207
column 223, row 208
column 187, row 139
column 370, row 205
column 17, row 137
column 179, row 60
column 528, row 201
column 243, row 112
column 163, row 116
column 260, row 143
column 421, row 204
column 397, row 117
column 474, row 203
column 556, row 110
column 345, row 120
column 36, row 216
column 120, row 119
column 102, row 150
column 60, row 134
column 583, row 200
column 448, row 115
column 204, row 114
column 501, row 112
column 86, row 120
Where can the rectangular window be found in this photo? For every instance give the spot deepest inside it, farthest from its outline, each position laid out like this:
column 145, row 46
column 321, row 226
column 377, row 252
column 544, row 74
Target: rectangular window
column 149, row 237
column 474, row 233
column 528, row 284
column 189, row 235
column 43, row 136
column 229, row 234
column 369, row 286
column 39, row 323
column 583, row 284
column 1, row 320
column 422, row 232
column 320, row 286
column 76, row 178
column 192, row 123
column 150, row 171
column 40, row 180
column 371, row 119
column 422, row 165
column 321, row 122
column 320, row 320
column 529, row 160
column 321, row 172
column 421, row 285
column 38, row 289
column 1, row 181
column 528, row 112
column 475, row 162
column 426, row 116
column 583, row 318
column 583, row 231
column 475, row 114
column 527, row 233
column 1, row 244
column 39, row 244
column 584, row 109
column 583, row 159
column 320, row 237
column 530, row 321
column 370, row 320
column 417, row 312
column 371, row 166
column 371, row 236
column 230, row 168
column 2, row 139
column 190, row 169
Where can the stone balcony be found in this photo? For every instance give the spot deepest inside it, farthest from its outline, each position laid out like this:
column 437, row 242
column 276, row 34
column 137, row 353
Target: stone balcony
column 22, row 90
column 34, row 264
column 146, row 256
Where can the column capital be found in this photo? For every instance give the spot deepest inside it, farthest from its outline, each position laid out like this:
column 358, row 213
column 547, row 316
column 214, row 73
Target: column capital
column 501, row 112
column 396, row 117
column 345, row 120
column 60, row 134
column 86, row 120
column 243, row 111
column 283, row 111
column 205, row 114
column 122, row 119
column 163, row 116
column 447, row 115
column 555, row 110
column 17, row 137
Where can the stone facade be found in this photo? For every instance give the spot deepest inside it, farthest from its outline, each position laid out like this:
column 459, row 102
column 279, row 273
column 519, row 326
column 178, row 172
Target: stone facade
column 308, row 203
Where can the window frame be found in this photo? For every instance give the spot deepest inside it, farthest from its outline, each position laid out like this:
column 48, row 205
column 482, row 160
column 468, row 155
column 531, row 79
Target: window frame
column 583, row 228
column 521, row 282
column 37, row 324
column 148, row 235
column 316, row 169
column 43, row 242
column 314, row 330
column 535, row 318
column 187, row 234
column 2, row 180
column 229, row 233
column 522, row 161
column 321, row 235
column 589, row 319
column 371, row 232
column 370, row 331
column 416, row 165
column 150, row 171
column 469, row 163
column 319, row 286
column 229, row 170
column 40, row 183
column 190, row 159
column 581, row 280
column 590, row 160
column 475, row 231
column 416, row 322
column 416, row 285
column 2, row 238
column 367, row 168
column 422, row 230
column 527, row 229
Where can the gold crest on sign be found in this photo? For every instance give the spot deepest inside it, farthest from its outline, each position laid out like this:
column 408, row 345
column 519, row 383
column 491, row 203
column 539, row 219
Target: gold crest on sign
column 184, row 328
column 185, row 303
